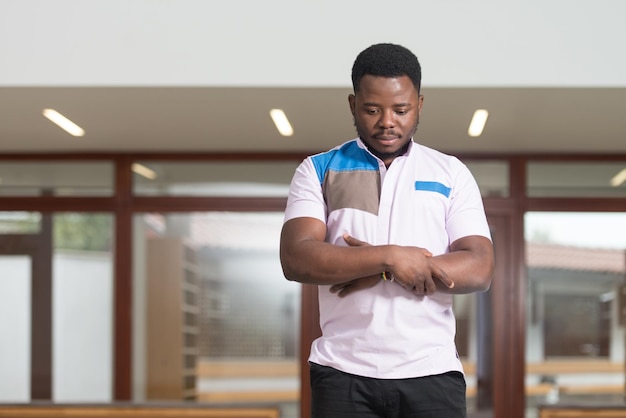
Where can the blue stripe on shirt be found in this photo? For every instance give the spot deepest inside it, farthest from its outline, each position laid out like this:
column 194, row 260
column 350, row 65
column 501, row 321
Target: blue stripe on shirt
column 349, row 157
column 433, row 186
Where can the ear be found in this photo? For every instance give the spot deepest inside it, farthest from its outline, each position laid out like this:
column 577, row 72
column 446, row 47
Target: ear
column 420, row 103
column 352, row 101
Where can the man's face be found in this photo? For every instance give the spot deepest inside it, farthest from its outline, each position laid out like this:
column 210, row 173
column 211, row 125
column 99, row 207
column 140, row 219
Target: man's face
column 386, row 113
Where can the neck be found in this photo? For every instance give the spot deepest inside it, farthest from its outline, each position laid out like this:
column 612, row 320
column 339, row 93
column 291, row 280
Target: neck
column 388, row 157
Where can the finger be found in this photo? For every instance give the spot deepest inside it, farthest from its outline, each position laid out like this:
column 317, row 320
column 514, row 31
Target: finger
column 353, row 242
column 345, row 291
column 430, row 287
column 337, row 287
column 419, row 289
column 359, row 285
column 351, row 288
column 441, row 275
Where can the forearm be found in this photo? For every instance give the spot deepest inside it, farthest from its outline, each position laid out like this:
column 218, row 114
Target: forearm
column 470, row 268
column 307, row 258
column 321, row 263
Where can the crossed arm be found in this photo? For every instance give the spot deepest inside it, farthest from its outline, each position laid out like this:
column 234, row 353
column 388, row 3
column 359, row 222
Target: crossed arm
column 307, row 258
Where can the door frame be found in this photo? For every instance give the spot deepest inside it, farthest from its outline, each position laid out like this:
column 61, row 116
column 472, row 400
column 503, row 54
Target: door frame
column 508, row 317
column 39, row 248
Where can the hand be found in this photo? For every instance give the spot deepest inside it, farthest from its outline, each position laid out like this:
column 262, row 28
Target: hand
column 429, row 286
column 415, row 271
column 344, row 289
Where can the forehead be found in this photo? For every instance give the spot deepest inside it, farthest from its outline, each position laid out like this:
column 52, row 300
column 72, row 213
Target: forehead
column 386, row 88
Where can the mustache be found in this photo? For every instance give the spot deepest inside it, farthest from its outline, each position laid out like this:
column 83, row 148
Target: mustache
column 386, row 132
column 378, row 133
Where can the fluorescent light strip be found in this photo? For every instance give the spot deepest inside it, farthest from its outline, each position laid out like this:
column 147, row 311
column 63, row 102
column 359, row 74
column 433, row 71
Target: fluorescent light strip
column 281, row 122
column 478, row 123
column 63, row 122
column 144, row 171
column 619, row 178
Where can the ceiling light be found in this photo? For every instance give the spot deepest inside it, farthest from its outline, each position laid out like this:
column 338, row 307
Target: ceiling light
column 144, row 171
column 63, row 122
column 619, row 178
column 281, row 122
column 478, row 123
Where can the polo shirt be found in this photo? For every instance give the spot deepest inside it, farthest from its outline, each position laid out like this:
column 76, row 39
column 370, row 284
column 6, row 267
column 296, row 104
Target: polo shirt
column 425, row 199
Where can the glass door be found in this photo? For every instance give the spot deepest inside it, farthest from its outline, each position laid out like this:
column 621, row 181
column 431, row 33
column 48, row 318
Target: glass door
column 55, row 307
column 575, row 263
column 15, row 326
column 215, row 319
column 25, row 365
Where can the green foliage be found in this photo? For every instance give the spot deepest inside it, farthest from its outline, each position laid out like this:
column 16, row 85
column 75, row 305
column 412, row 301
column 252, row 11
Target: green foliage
column 19, row 222
column 83, row 231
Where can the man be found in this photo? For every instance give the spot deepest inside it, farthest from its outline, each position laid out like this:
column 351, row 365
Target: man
column 389, row 230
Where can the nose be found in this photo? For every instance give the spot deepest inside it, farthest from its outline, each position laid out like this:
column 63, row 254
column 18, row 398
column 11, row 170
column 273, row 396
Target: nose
column 387, row 119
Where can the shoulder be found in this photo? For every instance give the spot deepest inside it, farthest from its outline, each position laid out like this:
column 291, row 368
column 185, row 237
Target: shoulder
column 349, row 156
column 431, row 156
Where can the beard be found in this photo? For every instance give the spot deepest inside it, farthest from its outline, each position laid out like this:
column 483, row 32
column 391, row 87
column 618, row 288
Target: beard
column 387, row 155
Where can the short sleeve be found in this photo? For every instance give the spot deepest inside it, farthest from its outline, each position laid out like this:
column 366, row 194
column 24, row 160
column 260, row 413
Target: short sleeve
column 305, row 194
column 466, row 214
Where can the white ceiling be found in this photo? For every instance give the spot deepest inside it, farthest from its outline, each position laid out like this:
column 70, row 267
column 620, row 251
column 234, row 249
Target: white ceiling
column 544, row 70
column 205, row 119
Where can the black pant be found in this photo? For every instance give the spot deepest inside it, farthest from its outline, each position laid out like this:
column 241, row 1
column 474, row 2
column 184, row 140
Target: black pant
column 338, row 395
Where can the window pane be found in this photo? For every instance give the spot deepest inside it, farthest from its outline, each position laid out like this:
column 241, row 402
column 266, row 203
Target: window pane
column 492, row 177
column 230, row 178
column 576, row 264
column 20, row 222
column 61, row 178
column 584, row 320
column 82, row 307
column 576, row 179
column 210, row 297
column 15, row 319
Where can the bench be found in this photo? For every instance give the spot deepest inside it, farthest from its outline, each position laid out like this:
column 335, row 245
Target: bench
column 196, row 410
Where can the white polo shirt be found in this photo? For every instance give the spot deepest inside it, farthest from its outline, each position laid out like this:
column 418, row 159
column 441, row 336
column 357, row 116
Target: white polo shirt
column 425, row 199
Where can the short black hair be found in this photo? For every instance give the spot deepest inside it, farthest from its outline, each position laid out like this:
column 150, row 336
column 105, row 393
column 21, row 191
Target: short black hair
column 386, row 60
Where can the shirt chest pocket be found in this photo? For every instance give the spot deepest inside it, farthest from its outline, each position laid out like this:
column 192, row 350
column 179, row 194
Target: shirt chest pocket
column 430, row 203
column 430, row 207
column 421, row 221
